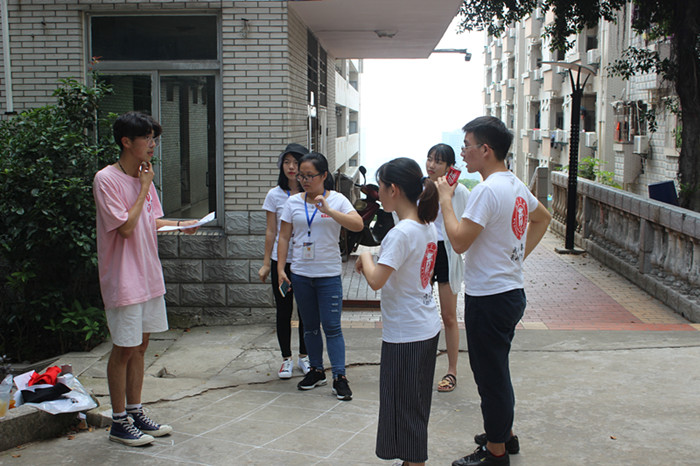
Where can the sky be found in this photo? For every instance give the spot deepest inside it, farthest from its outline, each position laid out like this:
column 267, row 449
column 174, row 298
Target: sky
column 408, row 106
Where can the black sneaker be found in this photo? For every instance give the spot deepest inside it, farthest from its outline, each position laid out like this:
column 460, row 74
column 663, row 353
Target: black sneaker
column 341, row 389
column 314, row 378
column 483, row 457
column 512, row 445
column 124, row 431
column 146, row 425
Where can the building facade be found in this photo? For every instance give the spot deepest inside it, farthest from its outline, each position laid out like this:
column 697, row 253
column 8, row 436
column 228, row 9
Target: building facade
column 533, row 98
column 232, row 83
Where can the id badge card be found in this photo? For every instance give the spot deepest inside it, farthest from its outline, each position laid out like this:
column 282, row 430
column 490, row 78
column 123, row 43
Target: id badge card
column 307, row 250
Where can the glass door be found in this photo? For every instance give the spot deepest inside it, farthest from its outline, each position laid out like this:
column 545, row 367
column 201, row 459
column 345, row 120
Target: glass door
column 188, row 145
column 185, row 161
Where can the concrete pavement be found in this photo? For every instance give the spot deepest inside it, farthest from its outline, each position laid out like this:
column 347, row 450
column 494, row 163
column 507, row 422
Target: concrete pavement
column 618, row 387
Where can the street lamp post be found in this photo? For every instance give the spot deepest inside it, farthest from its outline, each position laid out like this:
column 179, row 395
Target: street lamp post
column 576, row 95
column 467, row 55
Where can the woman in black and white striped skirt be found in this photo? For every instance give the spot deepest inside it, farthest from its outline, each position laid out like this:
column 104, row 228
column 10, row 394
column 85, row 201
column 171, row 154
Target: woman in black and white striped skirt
column 411, row 321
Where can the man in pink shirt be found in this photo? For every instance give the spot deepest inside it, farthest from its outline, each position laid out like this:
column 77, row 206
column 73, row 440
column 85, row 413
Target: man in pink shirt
column 131, row 275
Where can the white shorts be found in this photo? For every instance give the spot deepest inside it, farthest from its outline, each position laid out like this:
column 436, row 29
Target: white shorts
column 127, row 324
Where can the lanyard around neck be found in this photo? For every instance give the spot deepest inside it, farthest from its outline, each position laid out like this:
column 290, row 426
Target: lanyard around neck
column 306, row 208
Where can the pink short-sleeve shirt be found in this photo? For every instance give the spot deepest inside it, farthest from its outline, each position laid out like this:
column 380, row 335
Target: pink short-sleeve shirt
column 130, row 269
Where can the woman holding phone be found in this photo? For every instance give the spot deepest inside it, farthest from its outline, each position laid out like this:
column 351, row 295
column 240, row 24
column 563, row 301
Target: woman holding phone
column 287, row 186
column 449, row 266
column 311, row 223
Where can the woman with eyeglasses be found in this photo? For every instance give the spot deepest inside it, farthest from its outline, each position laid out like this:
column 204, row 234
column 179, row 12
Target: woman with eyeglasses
column 287, row 186
column 310, row 229
column 449, row 265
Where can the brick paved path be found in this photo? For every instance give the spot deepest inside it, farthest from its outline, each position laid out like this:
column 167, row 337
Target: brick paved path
column 564, row 292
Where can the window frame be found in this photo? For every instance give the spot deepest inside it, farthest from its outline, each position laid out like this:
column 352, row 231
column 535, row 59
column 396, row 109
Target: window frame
column 157, row 69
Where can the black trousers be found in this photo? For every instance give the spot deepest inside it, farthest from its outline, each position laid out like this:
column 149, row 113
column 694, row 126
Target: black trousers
column 406, row 378
column 285, row 308
column 490, row 323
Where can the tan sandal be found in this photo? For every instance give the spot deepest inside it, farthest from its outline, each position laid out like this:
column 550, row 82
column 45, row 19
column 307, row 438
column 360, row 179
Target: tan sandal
column 448, row 383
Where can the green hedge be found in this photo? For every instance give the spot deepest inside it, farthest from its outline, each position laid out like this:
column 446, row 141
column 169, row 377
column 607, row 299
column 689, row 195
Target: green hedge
column 48, row 255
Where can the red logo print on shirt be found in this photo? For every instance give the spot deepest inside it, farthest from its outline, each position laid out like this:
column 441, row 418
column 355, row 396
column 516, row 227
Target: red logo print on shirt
column 428, row 264
column 148, row 203
column 519, row 220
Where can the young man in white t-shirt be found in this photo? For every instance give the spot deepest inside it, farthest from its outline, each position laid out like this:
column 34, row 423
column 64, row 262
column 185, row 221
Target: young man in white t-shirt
column 131, row 276
column 501, row 225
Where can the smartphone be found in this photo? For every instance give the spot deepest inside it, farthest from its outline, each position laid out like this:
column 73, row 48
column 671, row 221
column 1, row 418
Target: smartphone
column 284, row 288
column 452, row 175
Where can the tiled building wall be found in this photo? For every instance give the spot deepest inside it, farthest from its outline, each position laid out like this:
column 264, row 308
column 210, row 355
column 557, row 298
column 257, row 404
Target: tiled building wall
column 297, row 48
column 331, row 124
column 211, row 277
column 255, row 99
column 661, row 163
column 298, row 111
column 46, row 44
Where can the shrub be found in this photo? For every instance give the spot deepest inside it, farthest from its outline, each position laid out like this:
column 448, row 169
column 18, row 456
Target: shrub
column 48, row 254
column 589, row 168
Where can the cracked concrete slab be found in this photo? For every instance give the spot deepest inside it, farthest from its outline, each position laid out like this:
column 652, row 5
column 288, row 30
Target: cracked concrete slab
column 583, row 397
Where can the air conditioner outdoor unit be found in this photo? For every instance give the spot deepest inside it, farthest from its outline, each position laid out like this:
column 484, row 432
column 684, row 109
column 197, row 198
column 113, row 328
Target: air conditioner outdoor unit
column 511, row 82
column 544, row 133
column 536, row 135
column 640, row 145
column 593, row 56
column 590, row 139
column 561, row 136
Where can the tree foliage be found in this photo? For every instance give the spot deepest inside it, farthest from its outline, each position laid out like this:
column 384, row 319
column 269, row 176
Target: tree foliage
column 48, row 254
column 676, row 22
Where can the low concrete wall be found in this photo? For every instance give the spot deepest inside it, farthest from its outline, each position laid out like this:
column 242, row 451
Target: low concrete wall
column 211, row 277
column 28, row 424
column 653, row 244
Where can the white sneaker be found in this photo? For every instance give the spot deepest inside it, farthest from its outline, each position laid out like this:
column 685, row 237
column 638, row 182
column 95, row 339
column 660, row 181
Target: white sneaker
column 286, row 369
column 304, row 364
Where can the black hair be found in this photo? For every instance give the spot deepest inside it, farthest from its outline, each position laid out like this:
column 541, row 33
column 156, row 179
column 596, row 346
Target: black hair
column 443, row 153
column 406, row 174
column 321, row 165
column 491, row 131
column 282, row 180
column 133, row 125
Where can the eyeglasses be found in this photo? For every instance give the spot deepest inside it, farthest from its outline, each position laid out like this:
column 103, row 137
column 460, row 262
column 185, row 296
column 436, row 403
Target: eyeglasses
column 305, row 178
column 465, row 147
column 151, row 139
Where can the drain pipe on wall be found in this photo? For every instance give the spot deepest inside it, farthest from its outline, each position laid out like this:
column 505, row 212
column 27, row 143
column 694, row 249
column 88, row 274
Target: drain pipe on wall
column 6, row 58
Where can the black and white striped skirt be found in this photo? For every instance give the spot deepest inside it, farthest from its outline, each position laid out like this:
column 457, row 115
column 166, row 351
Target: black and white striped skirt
column 405, row 391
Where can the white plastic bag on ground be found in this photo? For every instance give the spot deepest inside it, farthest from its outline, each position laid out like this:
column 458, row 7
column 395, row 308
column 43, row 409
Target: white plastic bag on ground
column 78, row 399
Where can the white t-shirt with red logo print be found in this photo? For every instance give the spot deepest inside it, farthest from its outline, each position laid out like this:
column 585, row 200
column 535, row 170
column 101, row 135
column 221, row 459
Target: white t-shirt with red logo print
column 409, row 312
column 494, row 262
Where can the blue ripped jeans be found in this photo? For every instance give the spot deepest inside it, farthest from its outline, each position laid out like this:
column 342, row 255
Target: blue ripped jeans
column 320, row 303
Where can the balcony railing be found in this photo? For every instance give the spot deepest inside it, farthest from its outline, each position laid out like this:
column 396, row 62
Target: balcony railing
column 652, row 244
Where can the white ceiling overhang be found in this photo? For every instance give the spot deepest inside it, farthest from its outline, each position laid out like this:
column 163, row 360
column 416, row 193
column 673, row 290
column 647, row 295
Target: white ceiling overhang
column 352, row 28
